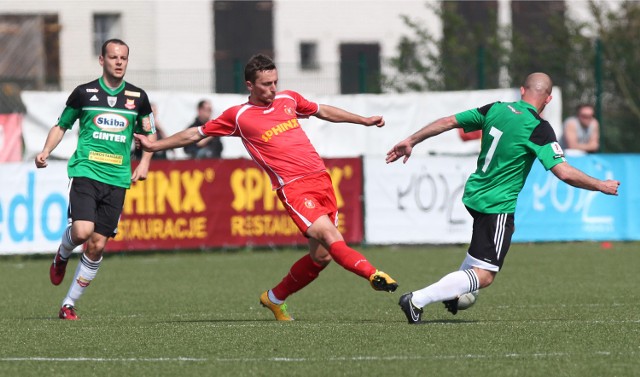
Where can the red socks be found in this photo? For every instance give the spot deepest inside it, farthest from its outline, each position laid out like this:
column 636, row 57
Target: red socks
column 303, row 272
column 351, row 259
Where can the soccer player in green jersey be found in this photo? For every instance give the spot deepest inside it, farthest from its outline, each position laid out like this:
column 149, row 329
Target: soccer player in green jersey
column 109, row 111
column 513, row 136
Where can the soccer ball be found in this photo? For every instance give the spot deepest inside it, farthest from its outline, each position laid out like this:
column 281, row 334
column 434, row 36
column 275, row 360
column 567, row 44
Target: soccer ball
column 467, row 300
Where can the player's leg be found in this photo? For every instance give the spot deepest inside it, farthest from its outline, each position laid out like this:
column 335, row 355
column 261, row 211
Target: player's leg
column 81, row 214
column 325, row 231
column 109, row 208
column 489, row 245
column 86, row 271
column 302, row 273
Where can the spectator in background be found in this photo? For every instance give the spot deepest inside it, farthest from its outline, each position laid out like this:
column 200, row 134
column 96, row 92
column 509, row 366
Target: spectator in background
column 209, row 147
column 582, row 131
column 136, row 153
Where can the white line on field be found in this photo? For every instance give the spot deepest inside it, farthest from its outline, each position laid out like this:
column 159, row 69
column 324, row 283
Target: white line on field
column 102, row 359
column 424, row 357
column 330, row 359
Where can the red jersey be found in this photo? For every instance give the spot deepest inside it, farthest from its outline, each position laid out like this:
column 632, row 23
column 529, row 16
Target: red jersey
column 272, row 135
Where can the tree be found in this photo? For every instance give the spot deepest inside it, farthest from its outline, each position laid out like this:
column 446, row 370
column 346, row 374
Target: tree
column 620, row 100
column 453, row 62
column 544, row 39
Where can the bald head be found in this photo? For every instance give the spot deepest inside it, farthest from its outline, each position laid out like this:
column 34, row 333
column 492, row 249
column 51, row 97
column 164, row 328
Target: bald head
column 538, row 83
column 536, row 90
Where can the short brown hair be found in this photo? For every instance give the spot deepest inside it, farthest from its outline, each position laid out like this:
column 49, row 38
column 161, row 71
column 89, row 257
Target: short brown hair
column 113, row 40
column 257, row 63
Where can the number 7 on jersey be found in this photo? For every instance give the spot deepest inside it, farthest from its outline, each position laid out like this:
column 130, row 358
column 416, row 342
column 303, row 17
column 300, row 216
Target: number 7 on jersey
column 496, row 133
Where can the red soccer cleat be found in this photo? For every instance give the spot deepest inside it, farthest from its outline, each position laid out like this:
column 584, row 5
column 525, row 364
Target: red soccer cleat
column 57, row 269
column 68, row 312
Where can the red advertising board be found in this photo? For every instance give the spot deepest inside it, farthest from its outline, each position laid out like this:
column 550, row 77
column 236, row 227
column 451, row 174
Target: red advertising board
column 10, row 137
column 195, row 204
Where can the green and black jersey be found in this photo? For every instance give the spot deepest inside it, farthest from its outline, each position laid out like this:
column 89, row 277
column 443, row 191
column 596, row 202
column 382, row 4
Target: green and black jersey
column 108, row 118
column 513, row 135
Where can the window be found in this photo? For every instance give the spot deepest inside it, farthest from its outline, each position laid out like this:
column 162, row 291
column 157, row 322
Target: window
column 309, row 56
column 359, row 68
column 105, row 27
column 234, row 45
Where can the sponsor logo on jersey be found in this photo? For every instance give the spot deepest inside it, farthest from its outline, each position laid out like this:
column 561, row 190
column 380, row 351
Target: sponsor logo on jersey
column 94, row 98
column 131, row 104
column 557, row 149
column 119, row 138
column 107, row 158
column 309, row 203
column 130, row 93
column 111, row 122
column 91, row 90
column 149, row 124
column 513, row 110
column 280, row 128
column 112, row 101
column 289, row 111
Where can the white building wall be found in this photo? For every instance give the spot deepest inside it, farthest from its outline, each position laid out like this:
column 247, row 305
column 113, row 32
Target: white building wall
column 332, row 22
column 172, row 41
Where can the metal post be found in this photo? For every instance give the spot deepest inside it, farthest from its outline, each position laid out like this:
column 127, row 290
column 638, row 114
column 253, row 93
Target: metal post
column 238, row 76
column 362, row 73
column 480, row 66
column 598, row 87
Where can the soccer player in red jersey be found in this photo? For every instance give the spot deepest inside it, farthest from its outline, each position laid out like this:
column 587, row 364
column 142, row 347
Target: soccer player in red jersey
column 269, row 128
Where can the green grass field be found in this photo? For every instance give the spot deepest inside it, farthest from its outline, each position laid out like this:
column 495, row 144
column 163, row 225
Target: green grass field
column 556, row 310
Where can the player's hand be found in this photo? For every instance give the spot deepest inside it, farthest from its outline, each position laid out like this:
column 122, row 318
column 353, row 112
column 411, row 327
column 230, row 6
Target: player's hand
column 140, row 173
column 403, row 148
column 41, row 160
column 142, row 142
column 376, row 120
column 610, row 187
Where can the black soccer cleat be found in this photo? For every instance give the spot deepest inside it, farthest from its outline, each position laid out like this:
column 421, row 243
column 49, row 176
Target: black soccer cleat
column 451, row 305
column 413, row 313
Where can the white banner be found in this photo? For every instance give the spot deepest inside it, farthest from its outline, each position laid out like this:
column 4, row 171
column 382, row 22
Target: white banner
column 33, row 207
column 417, row 202
column 404, row 114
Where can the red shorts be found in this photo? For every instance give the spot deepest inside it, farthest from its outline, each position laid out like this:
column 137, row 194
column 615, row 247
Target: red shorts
column 308, row 198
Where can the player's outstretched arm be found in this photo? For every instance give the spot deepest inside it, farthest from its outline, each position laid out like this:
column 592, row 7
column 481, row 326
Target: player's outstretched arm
column 577, row 178
column 142, row 170
column 338, row 115
column 434, row 128
column 53, row 139
column 177, row 140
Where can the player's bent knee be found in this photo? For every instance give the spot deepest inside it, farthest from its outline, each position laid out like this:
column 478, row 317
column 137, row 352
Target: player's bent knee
column 485, row 277
column 322, row 260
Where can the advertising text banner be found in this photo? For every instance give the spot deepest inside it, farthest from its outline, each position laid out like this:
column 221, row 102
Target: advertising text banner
column 195, row 204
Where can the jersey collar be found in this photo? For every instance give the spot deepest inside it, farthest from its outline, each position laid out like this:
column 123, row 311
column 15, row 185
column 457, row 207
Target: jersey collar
column 109, row 90
column 527, row 104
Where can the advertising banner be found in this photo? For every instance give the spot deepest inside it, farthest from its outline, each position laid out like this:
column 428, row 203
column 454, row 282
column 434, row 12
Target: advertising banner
column 194, row 204
column 182, row 205
column 420, row 202
column 10, row 137
column 417, row 202
column 33, row 207
column 550, row 210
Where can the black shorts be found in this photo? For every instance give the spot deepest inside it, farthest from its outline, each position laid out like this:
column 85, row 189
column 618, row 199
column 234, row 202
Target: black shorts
column 491, row 237
column 97, row 202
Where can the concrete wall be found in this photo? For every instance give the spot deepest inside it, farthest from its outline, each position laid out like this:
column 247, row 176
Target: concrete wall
column 172, row 42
